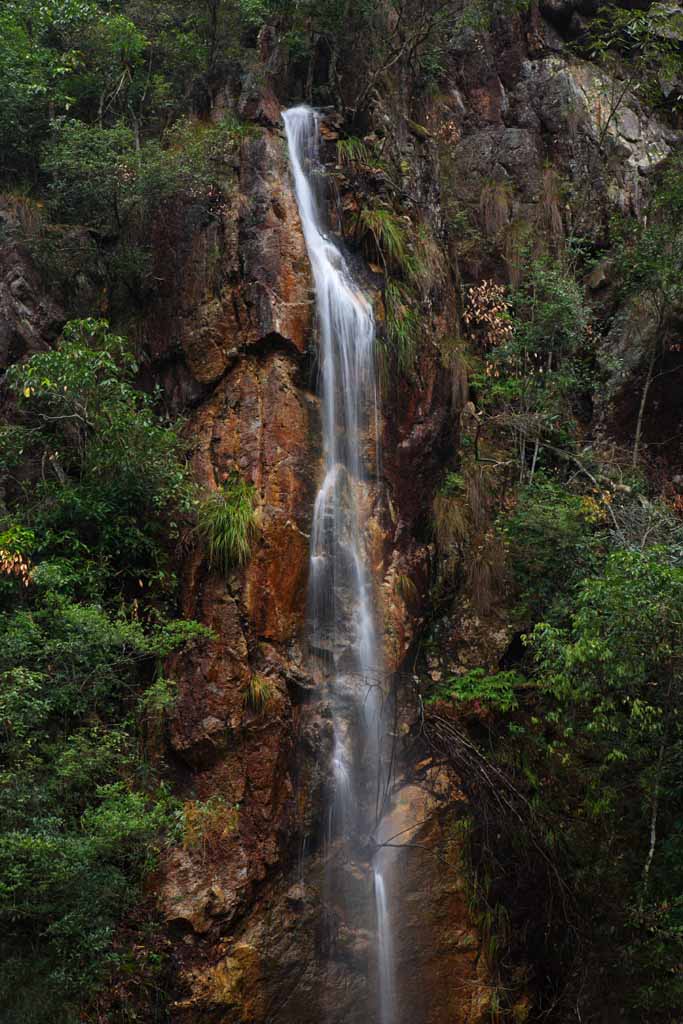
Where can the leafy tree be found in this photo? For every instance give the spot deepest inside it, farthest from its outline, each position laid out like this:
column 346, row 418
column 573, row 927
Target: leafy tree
column 615, row 683
column 83, row 817
column 638, row 45
column 552, row 545
column 533, row 366
column 101, row 179
column 86, row 620
column 36, row 65
column 648, row 256
column 116, row 483
column 136, row 66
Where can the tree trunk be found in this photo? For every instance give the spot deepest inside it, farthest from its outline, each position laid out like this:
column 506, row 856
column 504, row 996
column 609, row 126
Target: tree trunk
column 643, row 402
column 654, row 808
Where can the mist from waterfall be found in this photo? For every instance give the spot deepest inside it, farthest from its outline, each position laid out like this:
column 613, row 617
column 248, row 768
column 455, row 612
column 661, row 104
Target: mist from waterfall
column 343, row 632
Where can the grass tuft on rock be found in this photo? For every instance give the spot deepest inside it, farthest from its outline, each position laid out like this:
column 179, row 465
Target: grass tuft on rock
column 226, row 522
column 259, row 694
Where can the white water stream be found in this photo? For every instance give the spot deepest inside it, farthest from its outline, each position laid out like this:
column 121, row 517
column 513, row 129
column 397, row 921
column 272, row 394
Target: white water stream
column 341, row 606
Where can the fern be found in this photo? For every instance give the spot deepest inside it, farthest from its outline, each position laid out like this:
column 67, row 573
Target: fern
column 226, row 522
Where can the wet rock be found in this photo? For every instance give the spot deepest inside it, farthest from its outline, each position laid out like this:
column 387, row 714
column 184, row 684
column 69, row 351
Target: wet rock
column 231, row 988
column 230, row 278
column 29, row 317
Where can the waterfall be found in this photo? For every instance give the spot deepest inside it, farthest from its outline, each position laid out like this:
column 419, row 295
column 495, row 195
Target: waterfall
column 343, row 634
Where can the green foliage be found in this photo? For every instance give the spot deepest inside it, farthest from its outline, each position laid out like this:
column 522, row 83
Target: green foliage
column 226, row 522
column 550, row 316
column 389, row 235
column 92, row 170
column 497, row 690
column 34, row 73
column 623, row 678
column 352, row 151
column 83, row 818
column 402, row 327
column 400, row 248
column 158, row 698
column 101, row 178
column 649, row 253
column 648, row 256
column 453, row 485
column 614, row 685
column 83, row 634
column 552, row 545
column 537, row 363
column 479, row 14
column 109, row 68
column 597, row 754
column 641, row 47
column 116, row 481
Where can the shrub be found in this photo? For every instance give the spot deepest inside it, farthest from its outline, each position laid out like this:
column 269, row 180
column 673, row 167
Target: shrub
column 553, row 544
column 497, row 689
column 117, row 480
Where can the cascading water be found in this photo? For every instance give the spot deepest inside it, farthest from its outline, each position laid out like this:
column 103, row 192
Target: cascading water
column 341, row 606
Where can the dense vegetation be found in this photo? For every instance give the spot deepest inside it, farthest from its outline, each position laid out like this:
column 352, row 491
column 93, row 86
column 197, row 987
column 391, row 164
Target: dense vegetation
column 589, row 542
column 95, row 489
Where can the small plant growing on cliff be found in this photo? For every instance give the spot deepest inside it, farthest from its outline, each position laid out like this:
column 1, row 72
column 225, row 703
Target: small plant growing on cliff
column 389, row 235
column 402, row 327
column 406, row 589
column 259, row 694
column 488, row 310
column 497, row 690
column 352, row 151
column 226, row 522
column 206, row 824
column 495, row 205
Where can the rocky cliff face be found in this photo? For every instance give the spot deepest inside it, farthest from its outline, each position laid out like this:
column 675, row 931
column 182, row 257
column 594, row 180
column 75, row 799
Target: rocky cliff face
column 245, row 905
column 235, row 339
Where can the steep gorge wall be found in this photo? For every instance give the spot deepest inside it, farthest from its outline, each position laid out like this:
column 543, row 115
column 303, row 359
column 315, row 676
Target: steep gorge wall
column 252, row 940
